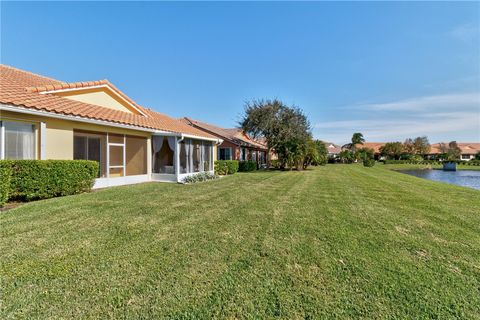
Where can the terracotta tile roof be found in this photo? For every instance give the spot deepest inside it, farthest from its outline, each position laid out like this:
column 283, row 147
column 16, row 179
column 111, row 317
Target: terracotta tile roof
column 23, row 89
column 466, row 147
column 332, row 148
column 234, row 135
column 372, row 145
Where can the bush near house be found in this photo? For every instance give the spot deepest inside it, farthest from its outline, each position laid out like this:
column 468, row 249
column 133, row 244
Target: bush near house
column 368, row 162
column 200, row 177
column 223, row 167
column 5, row 177
column 245, row 166
column 42, row 179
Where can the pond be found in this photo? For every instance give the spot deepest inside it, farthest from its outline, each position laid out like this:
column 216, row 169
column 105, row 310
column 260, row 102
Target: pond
column 465, row 178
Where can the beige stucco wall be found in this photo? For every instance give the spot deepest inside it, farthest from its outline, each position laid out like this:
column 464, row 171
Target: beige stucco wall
column 98, row 96
column 59, row 133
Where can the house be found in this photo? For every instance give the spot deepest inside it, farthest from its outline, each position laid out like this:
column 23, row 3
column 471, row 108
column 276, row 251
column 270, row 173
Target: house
column 44, row 118
column 236, row 145
column 468, row 150
column 332, row 149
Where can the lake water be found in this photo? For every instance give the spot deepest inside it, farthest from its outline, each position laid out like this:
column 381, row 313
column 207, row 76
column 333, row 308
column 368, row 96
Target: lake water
column 465, row 178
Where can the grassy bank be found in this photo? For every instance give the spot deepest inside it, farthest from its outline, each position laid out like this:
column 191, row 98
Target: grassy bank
column 340, row 241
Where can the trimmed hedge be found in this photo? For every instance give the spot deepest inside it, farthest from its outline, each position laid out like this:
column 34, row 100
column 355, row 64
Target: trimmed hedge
column 42, row 179
column 245, row 166
column 5, row 177
column 223, row 167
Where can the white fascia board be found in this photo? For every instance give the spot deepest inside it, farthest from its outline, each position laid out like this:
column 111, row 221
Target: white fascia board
column 201, row 138
column 41, row 113
column 96, row 87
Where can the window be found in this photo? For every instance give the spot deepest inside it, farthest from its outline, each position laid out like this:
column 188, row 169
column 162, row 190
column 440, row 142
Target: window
column 163, row 154
column 90, row 146
column 183, row 156
column 207, row 165
column 195, row 156
column 243, row 154
column 18, row 140
column 465, row 156
column 225, row 154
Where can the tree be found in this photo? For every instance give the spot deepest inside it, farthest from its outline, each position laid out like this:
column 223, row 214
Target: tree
column 346, row 156
column 316, row 154
column 322, row 153
column 453, row 152
column 357, row 138
column 421, row 145
column 477, row 156
column 409, row 146
column 285, row 129
column 392, row 150
column 365, row 154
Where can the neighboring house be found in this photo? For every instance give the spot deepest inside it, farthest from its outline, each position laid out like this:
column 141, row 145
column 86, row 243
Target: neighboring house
column 332, row 149
column 236, row 144
column 43, row 118
column 468, row 150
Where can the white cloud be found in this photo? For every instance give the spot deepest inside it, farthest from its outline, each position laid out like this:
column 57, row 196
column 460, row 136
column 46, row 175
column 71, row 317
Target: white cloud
column 466, row 32
column 436, row 102
column 439, row 117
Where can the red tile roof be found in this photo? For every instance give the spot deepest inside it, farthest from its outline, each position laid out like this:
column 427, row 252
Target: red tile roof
column 234, row 135
column 466, row 147
column 23, row 89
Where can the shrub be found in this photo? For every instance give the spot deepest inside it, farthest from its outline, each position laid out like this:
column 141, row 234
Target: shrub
column 223, row 167
column 368, row 162
column 204, row 176
column 245, row 166
column 42, row 179
column 5, row 177
column 275, row 164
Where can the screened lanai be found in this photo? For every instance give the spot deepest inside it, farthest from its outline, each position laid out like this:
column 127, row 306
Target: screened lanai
column 174, row 158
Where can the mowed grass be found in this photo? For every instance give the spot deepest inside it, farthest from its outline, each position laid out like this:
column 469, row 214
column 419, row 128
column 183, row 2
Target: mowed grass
column 340, row 241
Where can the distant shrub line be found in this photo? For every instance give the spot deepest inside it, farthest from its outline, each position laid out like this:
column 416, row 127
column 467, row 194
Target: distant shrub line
column 27, row 180
column 434, row 162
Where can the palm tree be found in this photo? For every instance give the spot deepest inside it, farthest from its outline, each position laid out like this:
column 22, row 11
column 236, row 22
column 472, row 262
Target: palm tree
column 357, row 138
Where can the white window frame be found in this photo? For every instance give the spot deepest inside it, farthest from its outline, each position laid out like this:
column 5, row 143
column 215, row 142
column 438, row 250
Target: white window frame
column 35, row 132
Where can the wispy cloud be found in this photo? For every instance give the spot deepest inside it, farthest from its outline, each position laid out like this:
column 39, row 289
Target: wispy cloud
column 427, row 103
column 450, row 115
column 466, row 32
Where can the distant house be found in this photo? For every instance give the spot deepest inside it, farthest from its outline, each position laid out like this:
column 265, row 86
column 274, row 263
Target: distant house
column 468, row 150
column 236, row 145
column 332, row 149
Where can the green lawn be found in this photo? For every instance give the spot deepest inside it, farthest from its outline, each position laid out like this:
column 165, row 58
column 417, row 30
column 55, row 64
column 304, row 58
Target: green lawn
column 340, row 241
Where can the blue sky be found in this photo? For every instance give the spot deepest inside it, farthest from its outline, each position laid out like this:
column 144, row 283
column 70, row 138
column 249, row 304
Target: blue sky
column 389, row 70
